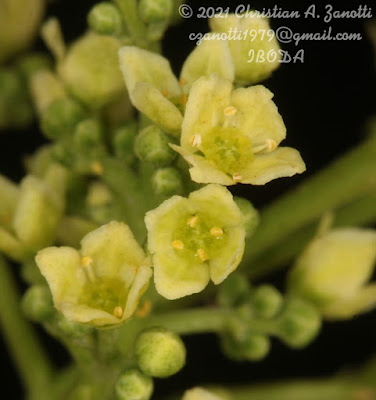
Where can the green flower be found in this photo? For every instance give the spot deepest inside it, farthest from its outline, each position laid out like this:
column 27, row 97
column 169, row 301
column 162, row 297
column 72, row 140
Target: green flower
column 102, row 283
column 253, row 45
column 231, row 136
column 153, row 87
column 334, row 270
column 194, row 240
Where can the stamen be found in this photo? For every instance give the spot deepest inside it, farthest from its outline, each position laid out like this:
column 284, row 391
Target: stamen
column 202, row 255
column 230, row 110
column 164, row 93
column 178, row 245
column 87, row 264
column 144, row 310
column 267, row 147
column 216, row 231
column 97, row 168
column 195, row 140
column 237, row 178
column 192, row 222
column 184, row 99
column 118, row 312
column 182, row 82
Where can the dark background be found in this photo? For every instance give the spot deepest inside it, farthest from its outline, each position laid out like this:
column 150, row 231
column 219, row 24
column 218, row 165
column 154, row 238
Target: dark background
column 325, row 103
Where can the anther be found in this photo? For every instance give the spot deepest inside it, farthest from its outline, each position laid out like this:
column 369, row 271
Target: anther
column 182, row 82
column 118, row 312
column 230, row 110
column 267, row 147
column 184, row 99
column 192, row 222
column 201, row 254
column 178, row 245
column 237, row 178
column 97, row 168
column 87, row 264
column 195, row 140
column 216, row 231
column 164, row 93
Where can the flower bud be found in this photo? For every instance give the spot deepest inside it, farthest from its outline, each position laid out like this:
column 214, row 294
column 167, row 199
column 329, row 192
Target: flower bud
column 253, row 348
column 199, row 393
column 267, row 301
column 134, row 385
column 61, row 117
column 88, row 135
column 123, row 142
column 299, row 323
column 37, row 303
column 160, row 353
column 155, row 10
column 233, row 291
column 334, row 270
column 167, row 181
column 250, row 214
column 105, row 18
column 152, row 145
column 72, row 329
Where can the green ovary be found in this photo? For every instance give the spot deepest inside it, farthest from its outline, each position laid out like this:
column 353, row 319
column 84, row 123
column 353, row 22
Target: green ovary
column 228, row 149
column 198, row 237
column 104, row 294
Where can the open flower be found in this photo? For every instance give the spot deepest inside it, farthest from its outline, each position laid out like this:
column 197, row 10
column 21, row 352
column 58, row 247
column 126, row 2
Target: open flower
column 153, row 87
column 231, row 136
column 334, row 270
column 102, row 283
column 194, row 240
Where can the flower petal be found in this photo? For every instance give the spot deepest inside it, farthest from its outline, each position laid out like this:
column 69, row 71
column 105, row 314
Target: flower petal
column 205, row 107
column 257, row 115
column 85, row 314
column 61, row 268
column 211, row 56
column 282, row 162
column 155, row 106
column 202, row 170
column 114, row 250
column 230, row 257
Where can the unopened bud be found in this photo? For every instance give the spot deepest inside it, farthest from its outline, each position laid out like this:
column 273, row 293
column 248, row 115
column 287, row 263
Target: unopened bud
column 123, row 142
column 167, row 181
column 134, row 385
column 155, row 10
column 152, row 145
column 233, row 291
column 252, row 348
column 105, row 18
column 37, row 303
column 267, row 301
column 160, row 353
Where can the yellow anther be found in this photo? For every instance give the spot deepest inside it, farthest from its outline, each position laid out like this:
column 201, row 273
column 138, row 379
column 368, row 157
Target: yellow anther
column 201, row 254
column 192, row 222
column 267, row 147
column 230, row 110
column 272, row 144
column 216, row 231
column 97, row 168
column 195, row 140
column 144, row 310
column 118, row 312
column 184, row 99
column 164, row 93
column 182, row 82
column 178, row 245
column 237, row 178
column 86, row 261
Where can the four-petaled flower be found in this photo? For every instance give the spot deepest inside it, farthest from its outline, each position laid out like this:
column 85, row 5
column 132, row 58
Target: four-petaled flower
column 231, row 136
column 101, row 284
column 194, row 240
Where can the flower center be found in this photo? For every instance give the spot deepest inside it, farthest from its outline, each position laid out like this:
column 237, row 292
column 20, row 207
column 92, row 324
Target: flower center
column 230, row 151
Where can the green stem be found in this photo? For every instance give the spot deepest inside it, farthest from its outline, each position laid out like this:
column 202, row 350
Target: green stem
column 358, row 213
column 133, row 22
column 30, row 359
column 343, row 181
column 323, row 389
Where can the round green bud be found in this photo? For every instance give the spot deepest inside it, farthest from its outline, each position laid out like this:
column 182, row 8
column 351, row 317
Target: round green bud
column 252, row 348
column 72, row 329
column 151, row 145
column 160, row 353
column 61, row 153
column 123, row 142
column 155, row 10
column 167, row 181
column 61, row 117
column 105, row 18
column 37, row 303
column 134, row 385
column 88, row 136
column 250, row 214
column 299, row 323
column 267, row 301
column 233, row 291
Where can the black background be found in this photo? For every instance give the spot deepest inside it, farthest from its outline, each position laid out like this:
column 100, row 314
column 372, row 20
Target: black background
column 325, row 103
